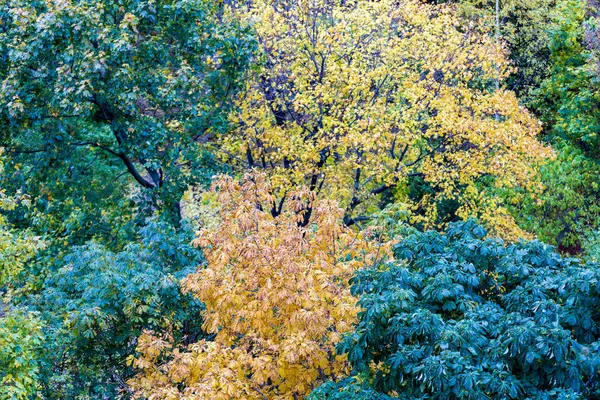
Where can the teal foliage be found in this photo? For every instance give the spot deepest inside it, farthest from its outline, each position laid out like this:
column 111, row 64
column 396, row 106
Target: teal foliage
column 97, row 302
column 592, row 245
column 457, row 315
column 346, row 389
column 95, row 90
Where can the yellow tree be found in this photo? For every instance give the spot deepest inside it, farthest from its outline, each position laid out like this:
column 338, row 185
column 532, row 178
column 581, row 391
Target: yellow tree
column 277, row 301
column 353, row 98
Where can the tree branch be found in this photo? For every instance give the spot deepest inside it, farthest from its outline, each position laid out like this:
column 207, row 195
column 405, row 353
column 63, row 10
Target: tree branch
column 134, row 172
column 352, row 221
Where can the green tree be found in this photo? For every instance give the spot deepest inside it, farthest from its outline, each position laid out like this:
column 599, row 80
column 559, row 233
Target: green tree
column 96, row 303
column 568, row 210
column 568, row 101
column 21, row 340
column 146, row 83
column 569, row 98
column 105, row 109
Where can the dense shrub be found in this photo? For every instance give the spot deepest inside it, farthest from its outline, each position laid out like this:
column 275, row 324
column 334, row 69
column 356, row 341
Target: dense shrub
column 459, row 316
column 20, row 342
column 97, row 302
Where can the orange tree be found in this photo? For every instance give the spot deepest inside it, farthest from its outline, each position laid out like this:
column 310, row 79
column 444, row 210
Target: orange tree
column 354, row 99
column 277, row 302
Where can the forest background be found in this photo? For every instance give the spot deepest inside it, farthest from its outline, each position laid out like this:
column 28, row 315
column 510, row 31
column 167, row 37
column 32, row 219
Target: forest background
column 285, row 199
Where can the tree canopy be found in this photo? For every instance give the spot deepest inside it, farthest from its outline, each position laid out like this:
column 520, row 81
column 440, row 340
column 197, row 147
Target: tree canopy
column 299, row 199
column 457, row 316
column 275, row 301
column 355, row 99
column 144, row 82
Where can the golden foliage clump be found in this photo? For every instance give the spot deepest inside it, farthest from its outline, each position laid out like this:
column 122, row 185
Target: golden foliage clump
column 357, row 97
column 277, row 300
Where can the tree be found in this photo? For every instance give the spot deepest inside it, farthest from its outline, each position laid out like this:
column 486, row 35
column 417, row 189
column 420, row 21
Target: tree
column 524, row 25
column 144, row 82
column 354, row 99
column 565, row 213
column 21, row 340
column 96, row 302
column 456, row 315
column 569, row 96
column 20, row 332
column 568, row 209
column 276, row 298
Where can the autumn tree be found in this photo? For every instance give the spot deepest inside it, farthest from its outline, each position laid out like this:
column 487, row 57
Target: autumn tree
column 355, row 99
column 276, row 298
column 90, row 85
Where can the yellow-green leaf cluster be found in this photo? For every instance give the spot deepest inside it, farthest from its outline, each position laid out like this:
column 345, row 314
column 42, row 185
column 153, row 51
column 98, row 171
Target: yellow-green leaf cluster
column 15, row 247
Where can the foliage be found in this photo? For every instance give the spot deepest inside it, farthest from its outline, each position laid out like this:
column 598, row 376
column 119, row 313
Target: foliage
column 68, row 205
column 458, row 316
column 21, row 339
column 350, row 127
column 569, row 96
column 355, row 98
column 276, row 302
column 136, row 84
column 346, row 389
column 568, row 209
column 566, row 212
column 524, row 26
column 97, row 302
column 20, row 333
column 97, row 96
column 15, row 247
column 591, row 244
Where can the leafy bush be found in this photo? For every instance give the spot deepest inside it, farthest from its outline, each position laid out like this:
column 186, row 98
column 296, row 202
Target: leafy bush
column 98, row 302
column 20, row 342
column 568, row 210
column 459, row 316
